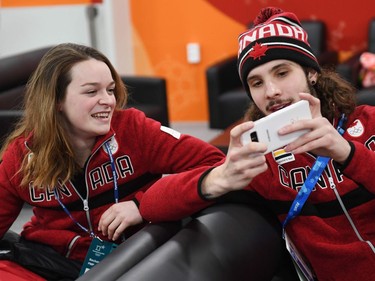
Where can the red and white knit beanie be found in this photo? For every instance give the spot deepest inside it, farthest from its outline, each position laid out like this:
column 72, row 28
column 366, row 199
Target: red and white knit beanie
column 275, row 35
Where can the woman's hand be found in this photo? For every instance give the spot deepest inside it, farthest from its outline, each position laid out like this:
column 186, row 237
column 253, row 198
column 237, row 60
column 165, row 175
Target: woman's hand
column 117, row 218
column 323, row 139
column 242, row 164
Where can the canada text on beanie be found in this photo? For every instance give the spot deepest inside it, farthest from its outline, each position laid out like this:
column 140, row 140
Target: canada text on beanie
column 275, row 35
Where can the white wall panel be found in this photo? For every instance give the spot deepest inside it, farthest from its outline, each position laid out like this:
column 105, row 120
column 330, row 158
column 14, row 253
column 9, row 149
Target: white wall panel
column 28, row 28
column 22, row 29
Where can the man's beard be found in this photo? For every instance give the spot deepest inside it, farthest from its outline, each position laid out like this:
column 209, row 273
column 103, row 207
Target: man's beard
column 254, row 113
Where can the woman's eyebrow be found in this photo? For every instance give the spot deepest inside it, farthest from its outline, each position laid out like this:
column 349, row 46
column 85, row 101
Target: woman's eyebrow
column 96, row 83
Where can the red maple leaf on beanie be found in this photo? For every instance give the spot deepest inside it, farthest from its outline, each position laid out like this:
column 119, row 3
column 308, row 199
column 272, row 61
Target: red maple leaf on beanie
column 258, row 51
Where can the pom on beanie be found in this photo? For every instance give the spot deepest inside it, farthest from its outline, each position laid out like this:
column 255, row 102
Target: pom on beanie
column 265, row 14
column 275, row 35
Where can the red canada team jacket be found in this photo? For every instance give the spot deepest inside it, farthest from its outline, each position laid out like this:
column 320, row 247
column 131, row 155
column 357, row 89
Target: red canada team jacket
column 322, row 232
column 142, row 150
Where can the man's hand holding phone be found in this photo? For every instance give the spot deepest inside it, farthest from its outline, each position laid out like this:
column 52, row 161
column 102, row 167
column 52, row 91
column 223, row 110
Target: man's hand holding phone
column 266, row 129
column 246, row 158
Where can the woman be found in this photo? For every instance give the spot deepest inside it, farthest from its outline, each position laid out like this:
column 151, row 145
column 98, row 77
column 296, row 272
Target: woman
column 83, row 162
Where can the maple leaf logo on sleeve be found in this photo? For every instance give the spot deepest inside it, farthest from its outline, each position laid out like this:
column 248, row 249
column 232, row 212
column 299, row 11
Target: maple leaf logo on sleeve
column 258, row 51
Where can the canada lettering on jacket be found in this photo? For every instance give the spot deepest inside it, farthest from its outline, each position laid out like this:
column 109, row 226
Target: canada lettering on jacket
column 97, row 177
column 272, row 29
column 297, row 176
column 103, row 174
column 370, row 143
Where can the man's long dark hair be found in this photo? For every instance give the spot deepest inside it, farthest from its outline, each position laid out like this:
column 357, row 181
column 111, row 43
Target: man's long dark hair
column 336, row 96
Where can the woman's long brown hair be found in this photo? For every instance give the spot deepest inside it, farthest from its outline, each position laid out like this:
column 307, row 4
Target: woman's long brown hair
column 52, row 159
column 337, row 96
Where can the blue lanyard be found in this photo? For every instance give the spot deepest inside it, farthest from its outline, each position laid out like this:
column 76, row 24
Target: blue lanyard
column 85, row 201
column 114, row 173
column 70, row 215
column 312, row 178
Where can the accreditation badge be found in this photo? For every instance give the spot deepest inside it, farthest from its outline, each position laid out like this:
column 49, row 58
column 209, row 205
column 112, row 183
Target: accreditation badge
column 98, row 250
column 303, row 269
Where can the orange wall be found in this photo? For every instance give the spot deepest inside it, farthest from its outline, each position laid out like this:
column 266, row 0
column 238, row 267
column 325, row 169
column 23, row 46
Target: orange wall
column 346, row 23
column 162, row 28
column 24, row 3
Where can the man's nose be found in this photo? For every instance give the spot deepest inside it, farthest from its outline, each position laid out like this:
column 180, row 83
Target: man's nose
column 272, row 89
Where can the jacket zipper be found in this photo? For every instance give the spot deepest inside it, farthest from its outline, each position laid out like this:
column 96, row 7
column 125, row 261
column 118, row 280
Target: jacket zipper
column 333, row 186
column 85, row 201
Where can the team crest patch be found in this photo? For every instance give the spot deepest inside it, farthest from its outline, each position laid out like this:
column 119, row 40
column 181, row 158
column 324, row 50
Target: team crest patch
column 282, row 157
column 356, row 129
column 113, row 146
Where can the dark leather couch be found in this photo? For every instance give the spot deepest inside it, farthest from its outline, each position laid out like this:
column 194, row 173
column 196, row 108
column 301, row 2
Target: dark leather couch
column 148, row 94
column 224, row 242
column 14, row 72
column 227, row 100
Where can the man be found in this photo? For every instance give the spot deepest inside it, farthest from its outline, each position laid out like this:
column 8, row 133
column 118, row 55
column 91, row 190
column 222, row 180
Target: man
column 332, row 225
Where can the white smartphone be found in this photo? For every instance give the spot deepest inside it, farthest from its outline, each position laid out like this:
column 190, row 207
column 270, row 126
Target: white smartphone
column 265, row 129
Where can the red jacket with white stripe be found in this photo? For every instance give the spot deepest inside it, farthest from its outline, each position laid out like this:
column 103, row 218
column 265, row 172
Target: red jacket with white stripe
column 142, row 150
column 322, row 232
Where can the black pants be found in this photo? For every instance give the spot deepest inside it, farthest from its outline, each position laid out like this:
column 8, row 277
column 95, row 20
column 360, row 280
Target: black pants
column 38, row 258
